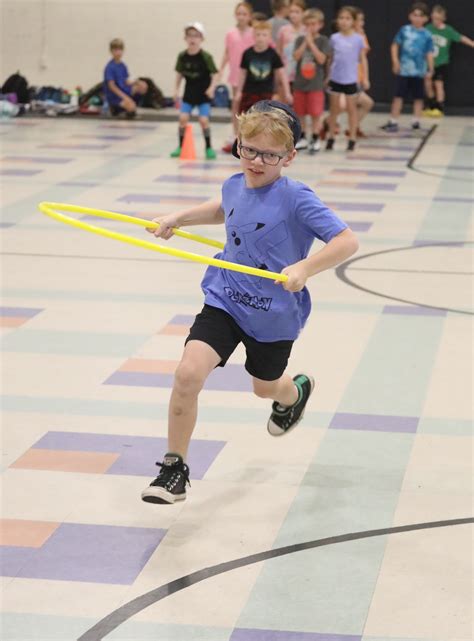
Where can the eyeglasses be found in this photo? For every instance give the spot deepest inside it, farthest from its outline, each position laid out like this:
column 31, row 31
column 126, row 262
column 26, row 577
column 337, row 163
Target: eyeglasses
column 268, row 158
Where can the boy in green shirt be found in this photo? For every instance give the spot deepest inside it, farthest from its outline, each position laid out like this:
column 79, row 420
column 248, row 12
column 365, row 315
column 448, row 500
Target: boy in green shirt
column 443, row 35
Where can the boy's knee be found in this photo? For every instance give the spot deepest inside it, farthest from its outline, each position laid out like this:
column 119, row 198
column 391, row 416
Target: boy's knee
column 187, row 379
column 204, row 121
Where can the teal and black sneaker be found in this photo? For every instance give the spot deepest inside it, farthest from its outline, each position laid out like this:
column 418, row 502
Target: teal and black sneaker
column 283, row 419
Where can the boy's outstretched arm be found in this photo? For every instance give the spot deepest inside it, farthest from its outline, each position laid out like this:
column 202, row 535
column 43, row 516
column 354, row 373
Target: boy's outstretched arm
column 467, row 41
column 334, row 252
column 208, row 213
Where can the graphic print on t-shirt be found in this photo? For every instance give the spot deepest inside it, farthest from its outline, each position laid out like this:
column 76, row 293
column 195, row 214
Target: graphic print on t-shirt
column 260, row 69
column 250, row 244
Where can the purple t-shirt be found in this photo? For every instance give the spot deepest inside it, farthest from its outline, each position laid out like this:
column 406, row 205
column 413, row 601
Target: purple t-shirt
column 346, row 52
column 270, row 228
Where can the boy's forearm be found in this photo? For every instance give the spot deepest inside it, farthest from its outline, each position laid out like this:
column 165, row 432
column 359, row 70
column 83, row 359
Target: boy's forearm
column 177, row 82
column 283, row 80
column 467, row 41
column 298, row 53
column 394, row 53
column 317, row 53
column 430, row 61
column 242, row 78
column 208, row 213
column 336, row 251
column 112, row 85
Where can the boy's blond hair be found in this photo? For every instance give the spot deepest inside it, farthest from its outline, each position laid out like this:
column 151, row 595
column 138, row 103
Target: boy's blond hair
column 438, row 8
column 313, row 14
column 298, row 3
column 116, row 43
column 261, row 25
column 273, row 123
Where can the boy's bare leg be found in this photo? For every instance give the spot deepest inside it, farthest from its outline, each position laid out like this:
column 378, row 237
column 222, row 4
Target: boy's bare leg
column 364, row 105
column 417, row 109
column 397, row 104
column 352, row 116
column 283, row 390
column 439, row 91
column 334, row 109
column 197, row 362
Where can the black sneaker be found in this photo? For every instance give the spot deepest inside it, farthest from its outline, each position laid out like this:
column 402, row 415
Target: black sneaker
column 415, row 125
column 390, row 127
column 170, row 484
column 329, row 144
column 283, row 419
column 351, row 145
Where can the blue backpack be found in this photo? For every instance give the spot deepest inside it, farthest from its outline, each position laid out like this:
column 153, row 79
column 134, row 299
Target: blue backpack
column 221, row 97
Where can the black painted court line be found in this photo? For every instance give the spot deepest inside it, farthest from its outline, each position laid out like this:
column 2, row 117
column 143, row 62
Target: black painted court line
column 411, row 161
column 128, row 610
column 341, row 273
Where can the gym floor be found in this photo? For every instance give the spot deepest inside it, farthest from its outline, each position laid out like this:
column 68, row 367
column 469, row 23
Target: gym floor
column 92, row 331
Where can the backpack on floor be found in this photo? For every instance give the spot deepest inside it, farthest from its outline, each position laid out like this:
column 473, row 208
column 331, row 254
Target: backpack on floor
column 19, row 85
column 221, row 97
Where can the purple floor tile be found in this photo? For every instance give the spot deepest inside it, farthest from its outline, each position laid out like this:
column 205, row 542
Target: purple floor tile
column 124, row 126
column 6, row 225
column 208, row 165
column 374, row 422
column 104, row 137
column 182, row 319
column 13, row 558
column 93, row 553
column 20, row 172
column 153, row 198
column 38, row 159
column 248, row 634
column 387, row 147
column 27, row 312
column 73, row 183
column 413, row 310
column 71, row 146
column 168, row 178
column 137, row 453
column 359, row 226
column 379, row 158
column 372, row 207
column 371, row 172
column 377, row 186
column 233, row 378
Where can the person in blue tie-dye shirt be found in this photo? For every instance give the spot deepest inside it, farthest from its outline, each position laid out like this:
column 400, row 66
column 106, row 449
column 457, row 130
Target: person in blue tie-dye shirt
column 412, row 53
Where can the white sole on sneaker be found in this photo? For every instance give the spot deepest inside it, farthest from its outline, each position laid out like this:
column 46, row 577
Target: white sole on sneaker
column 277, row 430
column 156, row 494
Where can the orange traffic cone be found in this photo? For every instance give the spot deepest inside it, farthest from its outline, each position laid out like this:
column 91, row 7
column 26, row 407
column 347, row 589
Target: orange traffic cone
column 188, row 151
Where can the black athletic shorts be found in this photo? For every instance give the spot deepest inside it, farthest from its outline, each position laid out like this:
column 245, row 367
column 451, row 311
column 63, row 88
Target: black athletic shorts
column 440, row 73
column 349, row 90
column 217, row 328
column 407, row 85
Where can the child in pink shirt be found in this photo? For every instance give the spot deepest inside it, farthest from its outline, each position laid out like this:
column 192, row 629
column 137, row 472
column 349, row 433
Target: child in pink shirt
column 288, row 34
column 237, row 40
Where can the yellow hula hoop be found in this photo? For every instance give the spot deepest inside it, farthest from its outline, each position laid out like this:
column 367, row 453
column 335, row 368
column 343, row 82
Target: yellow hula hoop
column 51, row 209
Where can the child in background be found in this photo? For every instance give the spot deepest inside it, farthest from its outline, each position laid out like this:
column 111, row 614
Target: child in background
column 117, row 84
column 198, row 68
column 237, row 40
column 443, row 35
column 269, row 219
column 348, row 50
column 412, row 61
column 280, row 9
column 287, row 36
column 364, row 102
column 261, row 66
column 310, row 53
